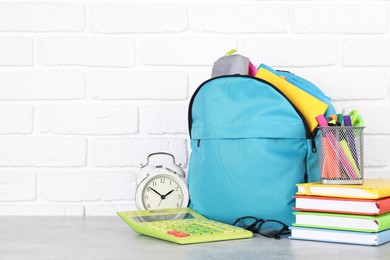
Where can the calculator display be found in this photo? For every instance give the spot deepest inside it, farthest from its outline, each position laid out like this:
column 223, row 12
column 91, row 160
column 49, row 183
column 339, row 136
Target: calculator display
column 163, row 217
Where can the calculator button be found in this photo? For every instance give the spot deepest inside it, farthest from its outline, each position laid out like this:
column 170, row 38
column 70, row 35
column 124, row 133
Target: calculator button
column 177, row 233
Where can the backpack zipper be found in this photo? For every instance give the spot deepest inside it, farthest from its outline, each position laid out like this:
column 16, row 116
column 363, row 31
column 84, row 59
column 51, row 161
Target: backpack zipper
column 309, row 135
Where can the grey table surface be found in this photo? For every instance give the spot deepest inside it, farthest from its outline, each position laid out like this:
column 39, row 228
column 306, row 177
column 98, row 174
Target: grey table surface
column 111, row 238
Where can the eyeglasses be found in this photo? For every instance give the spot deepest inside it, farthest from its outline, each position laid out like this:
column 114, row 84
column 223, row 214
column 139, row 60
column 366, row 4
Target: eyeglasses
column 268, row 228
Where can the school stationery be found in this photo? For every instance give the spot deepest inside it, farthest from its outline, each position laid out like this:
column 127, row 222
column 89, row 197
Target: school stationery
column 309, row 106
column 231, row 64
column 337, row 236
column 328, row 169
column 342, row 205
column 340, row 119
column 181, row 226
column 337, row 155
column 250, row 145
column 371, row 189
column 351, row 140
column 361, row 223
column 356, row 119
column 301, row 83
column 341, row 152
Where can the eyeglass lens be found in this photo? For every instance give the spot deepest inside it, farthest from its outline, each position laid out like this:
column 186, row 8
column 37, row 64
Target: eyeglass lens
column 267, row 228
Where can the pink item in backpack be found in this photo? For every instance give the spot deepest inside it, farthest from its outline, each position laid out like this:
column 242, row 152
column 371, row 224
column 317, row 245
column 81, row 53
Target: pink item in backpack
column 252, row 70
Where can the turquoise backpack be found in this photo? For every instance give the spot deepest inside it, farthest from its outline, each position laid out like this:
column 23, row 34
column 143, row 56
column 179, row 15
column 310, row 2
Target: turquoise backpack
column 250, row 146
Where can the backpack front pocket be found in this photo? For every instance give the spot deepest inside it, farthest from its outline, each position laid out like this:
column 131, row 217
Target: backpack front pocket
column 231, row 178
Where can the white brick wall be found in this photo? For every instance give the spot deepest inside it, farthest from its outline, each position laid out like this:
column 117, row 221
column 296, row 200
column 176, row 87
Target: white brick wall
column 88, row 120
column 319, row 51
column 42, row 84
column 16, row 51
column 89, row 88
column 145, row 85
column 340, row 18
column 238, row 18
column 43, row 151
column 41, row 17
column 138, row 18
column 87, row 51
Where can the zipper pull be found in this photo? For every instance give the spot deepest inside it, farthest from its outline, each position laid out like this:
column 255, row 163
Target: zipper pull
column 313, row 143
column 198, row 143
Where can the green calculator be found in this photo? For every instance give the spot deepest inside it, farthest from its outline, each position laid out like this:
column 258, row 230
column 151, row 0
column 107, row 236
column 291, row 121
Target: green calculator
column 181, row 226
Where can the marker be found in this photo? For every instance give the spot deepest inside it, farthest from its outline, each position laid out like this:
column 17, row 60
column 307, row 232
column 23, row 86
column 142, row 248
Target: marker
column 340, row 119
column 351, row 140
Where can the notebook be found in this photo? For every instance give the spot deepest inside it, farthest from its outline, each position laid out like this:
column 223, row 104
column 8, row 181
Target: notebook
column 337, row 236
column 342, row 205
column 371, row 189
column 359, row 223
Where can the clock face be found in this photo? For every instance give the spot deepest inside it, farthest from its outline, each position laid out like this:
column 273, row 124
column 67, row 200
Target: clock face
column 163, row 191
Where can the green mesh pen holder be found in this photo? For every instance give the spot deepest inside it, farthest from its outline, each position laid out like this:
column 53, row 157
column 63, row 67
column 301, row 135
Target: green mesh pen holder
column 341, row 154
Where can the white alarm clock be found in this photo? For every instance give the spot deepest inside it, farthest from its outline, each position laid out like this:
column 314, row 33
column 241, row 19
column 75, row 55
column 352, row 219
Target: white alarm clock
column 161, row 186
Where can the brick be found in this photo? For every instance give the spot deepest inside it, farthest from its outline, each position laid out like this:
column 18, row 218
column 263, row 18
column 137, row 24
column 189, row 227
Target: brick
column 42, row 151
column 376, row 151
column 41, row 17
column 242, row 18
column 138, row 18
column 87, row 51
column 108, row 209
column 375, row 173
column 16, row 51
column 340, row 18
column 87, row 186
column 41, row 210
column 349, row 84
column 16, row 119
column 164, row 119
column 120, row 151
column 366, row 52
column 373, row 118
column 38, row 85
column 171, row 85
column 17, row 186
column 292, row 52
column 84, row 119
column 197, row 78
column 187, row 50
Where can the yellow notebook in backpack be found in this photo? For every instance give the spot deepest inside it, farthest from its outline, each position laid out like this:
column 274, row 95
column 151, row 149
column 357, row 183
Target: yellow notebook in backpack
column 309, row 105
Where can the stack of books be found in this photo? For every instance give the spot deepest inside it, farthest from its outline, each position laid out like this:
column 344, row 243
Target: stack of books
column 352, row 214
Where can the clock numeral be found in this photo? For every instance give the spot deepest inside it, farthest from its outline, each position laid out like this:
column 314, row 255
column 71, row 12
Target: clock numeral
column 162, row 180
column 147, row 206
column 176, row 188
column 154, row 183
column 178, row 205
column 179, row 196
column 146, row 197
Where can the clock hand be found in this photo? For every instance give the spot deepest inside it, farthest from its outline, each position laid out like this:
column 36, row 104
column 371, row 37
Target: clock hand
column 164, row 196
column 157, row 192
column 168, row 193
